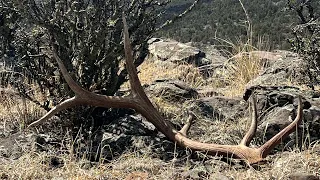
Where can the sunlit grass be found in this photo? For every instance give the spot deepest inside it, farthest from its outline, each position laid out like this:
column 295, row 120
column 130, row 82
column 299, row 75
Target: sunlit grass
column 151, row 70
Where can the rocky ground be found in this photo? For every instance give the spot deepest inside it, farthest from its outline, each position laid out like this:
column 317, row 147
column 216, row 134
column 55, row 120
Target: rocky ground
column 178, row 78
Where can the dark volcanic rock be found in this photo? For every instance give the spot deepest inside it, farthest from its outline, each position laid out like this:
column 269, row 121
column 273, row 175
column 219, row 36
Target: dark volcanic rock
column 171, row 90
column 219, row 107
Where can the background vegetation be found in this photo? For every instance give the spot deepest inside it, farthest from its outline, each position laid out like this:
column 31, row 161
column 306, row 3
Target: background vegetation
column 272, row 21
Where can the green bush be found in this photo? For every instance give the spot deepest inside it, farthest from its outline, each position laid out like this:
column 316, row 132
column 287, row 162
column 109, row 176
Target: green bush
column 306, row 36
column 87, row 36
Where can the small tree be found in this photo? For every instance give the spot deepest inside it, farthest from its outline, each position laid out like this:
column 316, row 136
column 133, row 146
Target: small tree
column 87, row 35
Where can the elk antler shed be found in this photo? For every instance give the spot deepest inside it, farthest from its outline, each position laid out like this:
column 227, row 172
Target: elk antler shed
column 141, row 103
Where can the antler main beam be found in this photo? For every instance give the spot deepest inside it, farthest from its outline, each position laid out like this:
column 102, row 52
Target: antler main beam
column 139, row 101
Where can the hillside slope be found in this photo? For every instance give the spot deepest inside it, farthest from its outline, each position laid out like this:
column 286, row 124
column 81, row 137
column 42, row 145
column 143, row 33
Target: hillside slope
column 271, row 20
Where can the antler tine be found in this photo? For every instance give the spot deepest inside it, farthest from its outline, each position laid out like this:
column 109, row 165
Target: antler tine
column 67, row 103
column 133, row 75
column 82, row 96
column 64, row 105
column 184, row 130
column 72, row 84
column 253, row 127
column 275, row 140
column 135, row 83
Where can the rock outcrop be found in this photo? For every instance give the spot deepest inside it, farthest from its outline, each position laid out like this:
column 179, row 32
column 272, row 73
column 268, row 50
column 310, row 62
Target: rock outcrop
column 173, row 51
column 280, row 68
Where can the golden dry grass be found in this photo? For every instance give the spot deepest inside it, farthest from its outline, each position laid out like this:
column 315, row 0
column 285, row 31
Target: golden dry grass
column 17, row 110
column 133, row 165
column 243, row 66
column 150, row 71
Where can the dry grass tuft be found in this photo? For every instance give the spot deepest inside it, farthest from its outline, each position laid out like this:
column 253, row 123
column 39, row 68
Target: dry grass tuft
column 17, row 111
column 243, row 66
column 131, row 165
column 149, row 71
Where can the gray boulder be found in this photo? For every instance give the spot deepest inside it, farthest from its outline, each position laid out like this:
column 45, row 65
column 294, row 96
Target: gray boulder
column 222, row 108
column 303, row 176
column 216, row 62
column 171, row 90
column 120, row 134
column 281, row 67
column 173, row 51
column 133, row 132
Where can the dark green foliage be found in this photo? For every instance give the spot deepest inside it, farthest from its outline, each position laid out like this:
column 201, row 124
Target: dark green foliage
column 226, row 19
column 8, row 23
column 306, row 40
column 87, row 35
